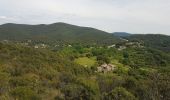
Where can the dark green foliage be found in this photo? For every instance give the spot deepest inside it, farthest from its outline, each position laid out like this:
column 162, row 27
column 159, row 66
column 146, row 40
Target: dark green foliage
column 122, row 34
column 103, row 59
column 73, row 92
column 55, row 33
column 145, row 57
column 24, row 93
column 161, row 42
column 119, row 93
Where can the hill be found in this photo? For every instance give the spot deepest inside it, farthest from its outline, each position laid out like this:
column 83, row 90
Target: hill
column 57, row 32
column 121, row 34
column 156, row 41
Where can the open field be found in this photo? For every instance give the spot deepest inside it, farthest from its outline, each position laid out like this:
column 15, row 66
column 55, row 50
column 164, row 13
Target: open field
column 85, row 61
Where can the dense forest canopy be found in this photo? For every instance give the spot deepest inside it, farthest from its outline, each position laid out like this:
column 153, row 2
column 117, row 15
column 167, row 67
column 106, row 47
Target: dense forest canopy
column 57, row 32
column 157, row 41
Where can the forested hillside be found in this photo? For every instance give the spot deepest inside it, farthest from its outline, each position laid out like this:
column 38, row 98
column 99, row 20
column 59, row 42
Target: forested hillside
column 122, row 34
column 55, row 33
column 157, row 41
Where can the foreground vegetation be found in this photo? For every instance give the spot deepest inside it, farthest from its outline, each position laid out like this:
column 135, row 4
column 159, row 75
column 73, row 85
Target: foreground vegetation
column 42, row 74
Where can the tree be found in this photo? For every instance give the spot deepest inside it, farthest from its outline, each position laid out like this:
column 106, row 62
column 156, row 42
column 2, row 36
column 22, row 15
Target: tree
column 76, row 92
column 120, row 93
column 103, row 58
column 24, row 93
column 125, row 61
column 125, row 55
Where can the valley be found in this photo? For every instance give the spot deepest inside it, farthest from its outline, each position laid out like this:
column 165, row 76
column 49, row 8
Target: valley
column 67, row 62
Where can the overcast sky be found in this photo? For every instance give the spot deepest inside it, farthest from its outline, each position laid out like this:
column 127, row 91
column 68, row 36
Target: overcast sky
column 136, row 16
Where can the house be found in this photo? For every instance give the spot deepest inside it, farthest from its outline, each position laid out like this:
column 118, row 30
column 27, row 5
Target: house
column 134, row 44
column 43, row 46
column 106, row 68
column 69, row 45
column 111, row 46
column 130, row 43
column 40, row 46
column 36, row 47
column 56, row 45
column 125, row 40
column 5, row 41
column 121, row 48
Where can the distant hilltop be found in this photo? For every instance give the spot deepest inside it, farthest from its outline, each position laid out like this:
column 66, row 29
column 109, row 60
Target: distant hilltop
column 121, row 34
column 57, row 32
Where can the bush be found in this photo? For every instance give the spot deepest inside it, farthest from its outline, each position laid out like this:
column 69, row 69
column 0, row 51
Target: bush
column 103, row 58
column 24, row 93
column 120, row 93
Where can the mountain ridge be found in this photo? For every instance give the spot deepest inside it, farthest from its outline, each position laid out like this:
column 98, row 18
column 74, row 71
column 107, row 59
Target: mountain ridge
column 55, row 32
column 121, row 34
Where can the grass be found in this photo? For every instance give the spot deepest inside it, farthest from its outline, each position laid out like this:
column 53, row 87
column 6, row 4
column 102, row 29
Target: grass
column 85, row 61
column 121, row 67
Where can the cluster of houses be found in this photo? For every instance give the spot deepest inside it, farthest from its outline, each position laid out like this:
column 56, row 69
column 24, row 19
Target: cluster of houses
column 119, row 47
column 122, row 47
column 5, row 41
column 104, row 68
column 125, row 45
column 134, row 44
column 40, row 46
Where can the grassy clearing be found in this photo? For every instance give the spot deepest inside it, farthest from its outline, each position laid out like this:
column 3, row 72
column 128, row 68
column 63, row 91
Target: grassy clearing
column 85, row 61
column 122, row 68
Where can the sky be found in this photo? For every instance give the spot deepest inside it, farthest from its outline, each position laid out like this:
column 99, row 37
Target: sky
column 134, row 16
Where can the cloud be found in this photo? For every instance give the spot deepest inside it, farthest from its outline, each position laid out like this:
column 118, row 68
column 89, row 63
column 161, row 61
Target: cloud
column 3, row 17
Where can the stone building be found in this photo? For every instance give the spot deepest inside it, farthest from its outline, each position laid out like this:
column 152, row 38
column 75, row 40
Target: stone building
column 106, row 68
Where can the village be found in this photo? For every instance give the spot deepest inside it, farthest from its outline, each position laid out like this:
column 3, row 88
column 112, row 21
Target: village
column 84, row 59
column 30, row 43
